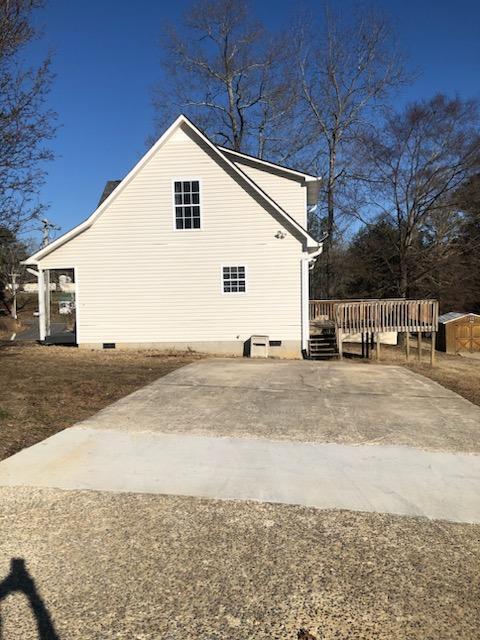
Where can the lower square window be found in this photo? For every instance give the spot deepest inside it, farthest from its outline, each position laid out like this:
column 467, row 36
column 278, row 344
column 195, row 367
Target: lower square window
column 234, row 279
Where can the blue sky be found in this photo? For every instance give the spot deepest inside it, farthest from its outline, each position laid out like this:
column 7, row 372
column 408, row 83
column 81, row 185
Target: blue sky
column 107, row 56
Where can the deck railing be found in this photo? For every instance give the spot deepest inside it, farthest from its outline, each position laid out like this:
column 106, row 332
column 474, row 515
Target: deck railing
column 395, row 314
column 372, row 317
column 387, row 315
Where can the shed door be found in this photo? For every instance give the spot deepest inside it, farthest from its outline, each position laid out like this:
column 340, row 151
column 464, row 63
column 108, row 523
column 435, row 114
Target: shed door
column 475, row 335
column 467, row 336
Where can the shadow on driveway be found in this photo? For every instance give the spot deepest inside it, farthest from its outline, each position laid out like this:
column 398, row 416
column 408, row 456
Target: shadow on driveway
column 19, row 580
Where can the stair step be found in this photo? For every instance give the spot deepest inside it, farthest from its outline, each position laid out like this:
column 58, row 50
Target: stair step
column 323, row 347
column 323, row 356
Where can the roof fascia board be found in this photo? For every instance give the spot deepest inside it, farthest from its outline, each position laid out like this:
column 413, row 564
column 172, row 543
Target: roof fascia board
column 272, row 165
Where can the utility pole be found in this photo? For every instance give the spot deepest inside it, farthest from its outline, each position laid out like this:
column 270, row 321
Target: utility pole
column 47, row 226
column 14, row 277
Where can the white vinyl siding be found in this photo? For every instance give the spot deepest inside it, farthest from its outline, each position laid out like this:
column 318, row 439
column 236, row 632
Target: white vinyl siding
column 289, row 192
column 141, row 280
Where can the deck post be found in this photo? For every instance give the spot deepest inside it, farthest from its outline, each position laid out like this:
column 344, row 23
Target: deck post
column 407, row 345
column 340, row 343
column 432, row 352
column 377, row 350
column 419, row 341
column 363, row 344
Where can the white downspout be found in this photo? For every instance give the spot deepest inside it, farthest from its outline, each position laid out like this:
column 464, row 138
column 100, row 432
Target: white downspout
column 306, row 264
column 305, row 286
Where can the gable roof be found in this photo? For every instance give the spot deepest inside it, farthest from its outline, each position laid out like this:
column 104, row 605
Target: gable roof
column 455, row 315
column 311, row 243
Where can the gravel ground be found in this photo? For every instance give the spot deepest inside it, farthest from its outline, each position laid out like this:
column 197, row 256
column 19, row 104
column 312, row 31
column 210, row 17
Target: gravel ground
column 147, row 567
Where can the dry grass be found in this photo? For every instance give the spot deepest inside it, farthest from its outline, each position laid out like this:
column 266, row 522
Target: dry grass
column 8, row 326
column 458, row 373
column 45, row 389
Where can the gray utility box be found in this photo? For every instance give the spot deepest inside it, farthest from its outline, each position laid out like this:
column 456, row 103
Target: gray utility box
column 259, row 347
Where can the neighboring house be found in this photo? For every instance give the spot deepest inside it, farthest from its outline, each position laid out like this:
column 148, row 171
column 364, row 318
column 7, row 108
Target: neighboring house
column 197, row 247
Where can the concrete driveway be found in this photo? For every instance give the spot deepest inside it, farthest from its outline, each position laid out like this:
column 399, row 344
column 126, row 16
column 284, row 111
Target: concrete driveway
column 285, row 432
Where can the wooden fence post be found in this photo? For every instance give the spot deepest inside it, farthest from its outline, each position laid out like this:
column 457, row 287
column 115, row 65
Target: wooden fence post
column 407, row 345
column 432, row 352
column 377, row 351
column 419, row 340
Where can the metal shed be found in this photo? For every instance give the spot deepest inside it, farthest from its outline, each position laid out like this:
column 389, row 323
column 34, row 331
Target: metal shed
column 458, row 332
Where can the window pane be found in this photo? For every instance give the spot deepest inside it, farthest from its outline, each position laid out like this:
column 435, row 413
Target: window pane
column 187, row 217
column 234, row 280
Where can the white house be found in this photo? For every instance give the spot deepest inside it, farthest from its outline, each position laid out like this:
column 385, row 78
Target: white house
column 197, row 247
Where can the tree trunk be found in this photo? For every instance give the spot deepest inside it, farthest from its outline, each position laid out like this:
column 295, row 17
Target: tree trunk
column 330, row 222
column 403, row 285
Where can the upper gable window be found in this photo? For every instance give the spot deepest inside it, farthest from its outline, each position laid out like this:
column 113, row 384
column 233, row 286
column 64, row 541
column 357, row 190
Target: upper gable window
column 187, row 204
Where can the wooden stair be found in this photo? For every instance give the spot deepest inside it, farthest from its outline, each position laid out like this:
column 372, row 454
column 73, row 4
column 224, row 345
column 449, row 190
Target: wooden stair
column 322, row 346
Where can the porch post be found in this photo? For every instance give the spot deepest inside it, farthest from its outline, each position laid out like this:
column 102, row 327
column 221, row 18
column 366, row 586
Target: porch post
column 42, row 318
column 47, row 301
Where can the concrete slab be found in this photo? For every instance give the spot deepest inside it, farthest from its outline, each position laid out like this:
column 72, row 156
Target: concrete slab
column 304, row 401
column 395, row 480
column 275, row 420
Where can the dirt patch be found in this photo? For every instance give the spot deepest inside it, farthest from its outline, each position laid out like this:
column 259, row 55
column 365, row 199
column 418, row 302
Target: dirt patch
column 45, row 389
column 459, row 374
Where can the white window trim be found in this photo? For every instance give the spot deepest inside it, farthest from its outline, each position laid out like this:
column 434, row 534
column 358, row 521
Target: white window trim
column 237, row 263
column 200, row 186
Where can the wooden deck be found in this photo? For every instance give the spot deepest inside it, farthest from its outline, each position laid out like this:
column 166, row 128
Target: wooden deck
column 370, row 318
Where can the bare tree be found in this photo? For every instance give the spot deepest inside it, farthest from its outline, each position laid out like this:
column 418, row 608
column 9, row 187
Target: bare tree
column 224, row 71
column 413, row 167
column 26, row 124
column 12, row 252
column 344, row 71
